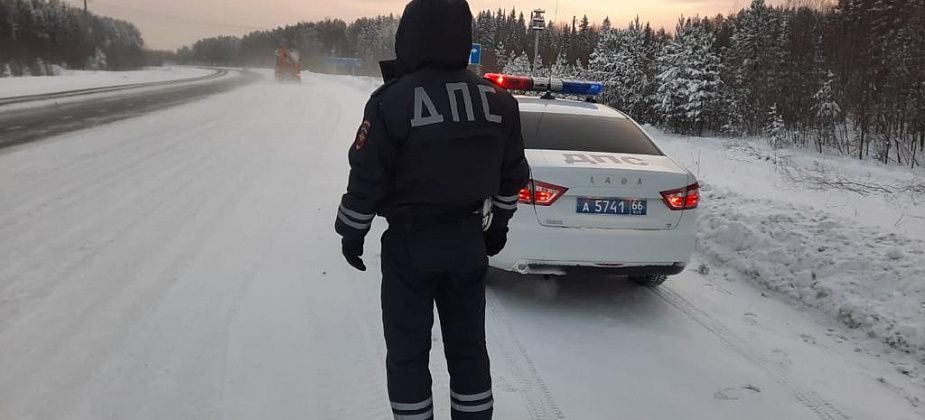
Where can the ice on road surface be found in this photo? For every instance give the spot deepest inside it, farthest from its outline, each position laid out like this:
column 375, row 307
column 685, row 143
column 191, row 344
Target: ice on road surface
column 183, row 265
column 83, row 79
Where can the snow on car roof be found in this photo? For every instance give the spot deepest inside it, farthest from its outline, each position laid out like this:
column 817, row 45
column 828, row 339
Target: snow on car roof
column 566, row 106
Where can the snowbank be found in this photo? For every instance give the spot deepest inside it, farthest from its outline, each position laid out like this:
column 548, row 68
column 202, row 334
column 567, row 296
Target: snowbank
column 835, row 234
column 863, row 277
column 79, row 79
column 864, row 192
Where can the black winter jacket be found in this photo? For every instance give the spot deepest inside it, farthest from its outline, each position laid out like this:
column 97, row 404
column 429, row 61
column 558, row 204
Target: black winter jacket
column 438, row 141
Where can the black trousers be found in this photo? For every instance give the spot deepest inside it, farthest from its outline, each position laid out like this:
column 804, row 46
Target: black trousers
column 416, row 274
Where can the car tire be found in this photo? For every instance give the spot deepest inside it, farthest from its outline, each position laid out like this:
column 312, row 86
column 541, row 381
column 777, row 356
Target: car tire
column 653, row 280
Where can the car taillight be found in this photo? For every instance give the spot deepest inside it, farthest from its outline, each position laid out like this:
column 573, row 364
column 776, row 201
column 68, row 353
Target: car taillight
column 541, row 193
column 683, row 198
column 526, row 195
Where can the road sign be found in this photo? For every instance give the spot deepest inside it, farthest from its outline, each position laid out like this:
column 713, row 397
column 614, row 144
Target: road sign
column 342, row 61
column 475, row 56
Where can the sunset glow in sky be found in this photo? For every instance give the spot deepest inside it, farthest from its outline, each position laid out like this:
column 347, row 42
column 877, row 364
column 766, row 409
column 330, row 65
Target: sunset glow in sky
column 168, row 24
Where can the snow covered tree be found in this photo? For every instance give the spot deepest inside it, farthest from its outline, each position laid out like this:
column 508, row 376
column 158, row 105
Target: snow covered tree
column 504, row 57
column 97, row 61
column 562, row 69
column 519, row 66
column 52, row 69
column 776, row 131
column 633, row 73
column 5, row 70
column 828, row 113
column 38, row 69
column 586, row 38
column 689, row 85
column 602, row 63
column 756, row 55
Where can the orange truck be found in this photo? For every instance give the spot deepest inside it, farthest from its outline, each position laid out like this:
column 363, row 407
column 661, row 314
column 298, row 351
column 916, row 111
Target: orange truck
column 288, row 66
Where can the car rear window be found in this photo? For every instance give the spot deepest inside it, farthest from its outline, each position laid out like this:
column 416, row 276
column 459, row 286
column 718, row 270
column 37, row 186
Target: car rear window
column 586, row 133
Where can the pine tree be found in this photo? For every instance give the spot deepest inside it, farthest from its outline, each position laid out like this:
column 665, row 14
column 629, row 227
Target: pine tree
column 756, row 55
column 562, row 69
column 828, row 114
column 602, row 63
column 775, row 129
column 689, row 87
column 587, row 38
column 38, row 69
column 519, row 66
column 632, row 73
column 99, row 60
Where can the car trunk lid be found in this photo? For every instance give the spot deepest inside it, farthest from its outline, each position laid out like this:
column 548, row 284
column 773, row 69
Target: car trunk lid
column 603, row 177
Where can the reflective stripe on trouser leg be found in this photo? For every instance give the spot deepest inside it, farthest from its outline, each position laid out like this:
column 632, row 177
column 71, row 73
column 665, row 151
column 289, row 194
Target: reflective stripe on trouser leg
column 423, row 410
column 474, row 405
column 461, row 304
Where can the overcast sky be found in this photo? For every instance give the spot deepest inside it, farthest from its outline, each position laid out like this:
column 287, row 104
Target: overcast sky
column 169, row 24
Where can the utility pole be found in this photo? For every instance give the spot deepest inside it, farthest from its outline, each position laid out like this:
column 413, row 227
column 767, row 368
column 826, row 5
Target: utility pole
column 538, row 25
column 85, row 7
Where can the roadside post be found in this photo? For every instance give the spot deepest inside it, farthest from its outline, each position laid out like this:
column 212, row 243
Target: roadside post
column 538, row 25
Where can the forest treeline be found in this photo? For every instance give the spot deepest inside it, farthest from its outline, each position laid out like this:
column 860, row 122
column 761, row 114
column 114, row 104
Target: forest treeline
column 845, row 77
column 36, row 35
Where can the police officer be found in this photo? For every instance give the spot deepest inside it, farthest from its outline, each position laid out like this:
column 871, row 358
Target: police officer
column 440, row 155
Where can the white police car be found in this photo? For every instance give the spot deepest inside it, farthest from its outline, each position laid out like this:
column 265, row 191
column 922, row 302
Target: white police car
column 603, row 196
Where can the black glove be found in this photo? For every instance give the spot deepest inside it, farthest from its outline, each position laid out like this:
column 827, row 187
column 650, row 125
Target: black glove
column 353, row 250
column 495, row 239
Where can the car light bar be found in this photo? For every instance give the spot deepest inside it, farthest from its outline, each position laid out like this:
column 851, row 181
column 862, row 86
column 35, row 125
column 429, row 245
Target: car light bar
column 545, row 84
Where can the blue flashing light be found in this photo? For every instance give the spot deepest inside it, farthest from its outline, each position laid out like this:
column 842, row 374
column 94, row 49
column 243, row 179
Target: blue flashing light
column 572, row 87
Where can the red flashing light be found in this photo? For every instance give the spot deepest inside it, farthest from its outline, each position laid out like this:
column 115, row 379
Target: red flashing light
column 510, row 82
column 684, row 198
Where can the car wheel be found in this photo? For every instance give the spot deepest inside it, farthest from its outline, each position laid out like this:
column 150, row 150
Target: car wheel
column 653, row 280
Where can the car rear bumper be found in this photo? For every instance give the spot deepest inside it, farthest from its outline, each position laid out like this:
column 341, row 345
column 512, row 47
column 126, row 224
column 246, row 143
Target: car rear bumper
column 535, row 249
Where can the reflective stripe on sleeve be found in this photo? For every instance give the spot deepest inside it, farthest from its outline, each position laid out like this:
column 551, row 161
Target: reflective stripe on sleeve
column 357, row 215
column 347, row 221
column 504, row 206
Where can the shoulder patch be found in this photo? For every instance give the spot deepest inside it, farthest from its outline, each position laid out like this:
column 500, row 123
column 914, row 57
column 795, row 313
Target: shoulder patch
column 383, row 88
column 362, row 135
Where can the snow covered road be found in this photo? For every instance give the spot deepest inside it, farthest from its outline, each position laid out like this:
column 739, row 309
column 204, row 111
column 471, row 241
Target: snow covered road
column 41, row 118
column 83, row 79
column 183, row 265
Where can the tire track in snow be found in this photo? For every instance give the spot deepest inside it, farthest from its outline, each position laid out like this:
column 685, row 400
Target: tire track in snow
column 531, row 387
column 57, row 194
column 810, row 399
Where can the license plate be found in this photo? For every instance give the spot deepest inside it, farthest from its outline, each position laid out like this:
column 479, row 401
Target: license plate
column 617, row 206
